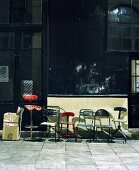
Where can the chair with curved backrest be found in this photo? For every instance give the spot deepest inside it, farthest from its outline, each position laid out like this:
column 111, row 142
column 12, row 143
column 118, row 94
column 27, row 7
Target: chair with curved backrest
column 102, row 121
column 65, row 124
column 86, row 120
column 120, row 120
column 51, row 119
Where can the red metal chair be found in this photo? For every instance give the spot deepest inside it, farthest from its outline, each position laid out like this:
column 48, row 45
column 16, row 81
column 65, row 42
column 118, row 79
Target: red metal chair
column 30, row 107
column 66, row 133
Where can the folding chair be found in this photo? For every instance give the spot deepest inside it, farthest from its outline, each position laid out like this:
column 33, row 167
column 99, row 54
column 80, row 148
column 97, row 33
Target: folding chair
column 102, row 121
column 86, row 120
column 51, row 119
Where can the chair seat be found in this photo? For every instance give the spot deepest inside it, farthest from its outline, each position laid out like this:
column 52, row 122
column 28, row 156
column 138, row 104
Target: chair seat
column 119, row 120
column 103, row 126
column 30, row 97
column 32, row 107
column 49, row 123
column 29, row 126
column 67, row 123
column 85, row 125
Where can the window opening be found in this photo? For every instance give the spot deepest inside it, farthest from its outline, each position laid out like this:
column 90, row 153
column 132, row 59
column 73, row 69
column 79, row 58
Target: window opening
column 135, row 76
column 123, row 26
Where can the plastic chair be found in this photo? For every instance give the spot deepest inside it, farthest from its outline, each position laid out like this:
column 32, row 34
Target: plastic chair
column 65, row 123
column 86, row 119
column 102, row 121
column 119, row 121
column 51, row 119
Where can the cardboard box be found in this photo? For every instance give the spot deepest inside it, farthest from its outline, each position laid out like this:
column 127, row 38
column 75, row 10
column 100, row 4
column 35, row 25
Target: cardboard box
column 11, row 117
column 10, row 131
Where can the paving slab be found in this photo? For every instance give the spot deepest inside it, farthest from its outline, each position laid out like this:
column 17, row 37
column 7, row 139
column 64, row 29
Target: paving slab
column 65, row 155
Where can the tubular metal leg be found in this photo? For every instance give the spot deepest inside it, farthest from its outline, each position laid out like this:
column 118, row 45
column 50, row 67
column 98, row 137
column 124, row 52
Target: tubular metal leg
column 120, row 131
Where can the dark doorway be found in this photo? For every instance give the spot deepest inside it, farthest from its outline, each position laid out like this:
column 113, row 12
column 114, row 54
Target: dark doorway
column 20, row 68
column 134, row 94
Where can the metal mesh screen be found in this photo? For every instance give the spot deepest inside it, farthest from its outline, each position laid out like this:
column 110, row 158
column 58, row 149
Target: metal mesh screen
column 7, row 72
column 77, row 45
column 31, row 72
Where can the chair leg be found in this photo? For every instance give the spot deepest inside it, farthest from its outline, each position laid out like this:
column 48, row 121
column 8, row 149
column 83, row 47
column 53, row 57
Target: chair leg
column 120, row 131
column 76, row 129
column 115, row 132
column 55, row 133
column 58, row 132
column 95, row 133
column 49, row 131
column 109, row 134
column 124, row 136
column 90, row 134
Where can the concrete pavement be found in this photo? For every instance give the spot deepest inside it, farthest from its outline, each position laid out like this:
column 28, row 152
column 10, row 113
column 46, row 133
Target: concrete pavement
column 69, row 155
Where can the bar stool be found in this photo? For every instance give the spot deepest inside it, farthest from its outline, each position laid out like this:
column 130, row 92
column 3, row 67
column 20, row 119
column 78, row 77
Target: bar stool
column 67, row 123
column 119, row 121
column 30, row 107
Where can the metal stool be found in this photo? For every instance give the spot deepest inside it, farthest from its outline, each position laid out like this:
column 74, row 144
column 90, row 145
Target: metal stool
column 68, row 123
column 119, row 121
column 30, row 107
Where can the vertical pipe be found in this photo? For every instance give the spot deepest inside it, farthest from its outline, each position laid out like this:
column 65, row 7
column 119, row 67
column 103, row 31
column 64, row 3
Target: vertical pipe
column 31, row 124
column 132, row 32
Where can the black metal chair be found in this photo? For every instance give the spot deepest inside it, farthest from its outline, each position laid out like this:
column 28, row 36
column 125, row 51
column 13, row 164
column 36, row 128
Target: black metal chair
column 51, row 119
column 102, row 121
column 119, row 131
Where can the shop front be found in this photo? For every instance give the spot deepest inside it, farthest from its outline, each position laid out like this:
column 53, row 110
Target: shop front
column 75, row 54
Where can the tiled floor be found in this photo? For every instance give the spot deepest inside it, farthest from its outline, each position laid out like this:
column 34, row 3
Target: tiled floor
column 69, row 155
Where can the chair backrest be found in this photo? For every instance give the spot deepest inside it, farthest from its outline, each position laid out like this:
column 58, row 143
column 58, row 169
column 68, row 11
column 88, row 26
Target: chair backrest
column 19, row 112
column 85, row 114
column 102, row 114
column 51, row 113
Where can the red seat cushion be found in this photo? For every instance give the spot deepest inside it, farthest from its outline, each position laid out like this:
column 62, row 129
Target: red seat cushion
column 67, row 114
column 30, row 97
column 31, row 107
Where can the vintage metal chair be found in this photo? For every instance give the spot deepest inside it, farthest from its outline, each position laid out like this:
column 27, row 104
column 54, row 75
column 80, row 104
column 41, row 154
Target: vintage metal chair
column 66, row 123
column 51, row 119
column 102, row 121
column 120, row 120
column 86, row 120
